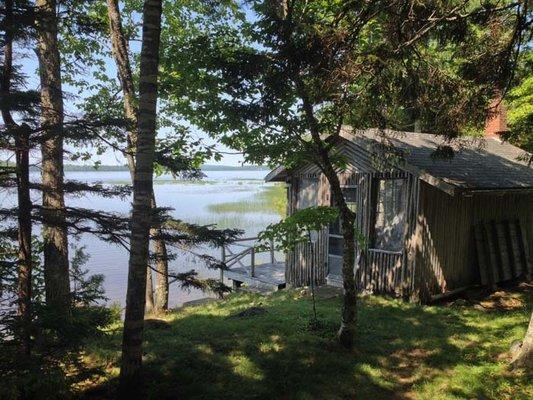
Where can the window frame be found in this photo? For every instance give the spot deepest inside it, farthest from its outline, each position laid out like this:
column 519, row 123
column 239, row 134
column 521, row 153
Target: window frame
column 332, row 203
column 375, row 192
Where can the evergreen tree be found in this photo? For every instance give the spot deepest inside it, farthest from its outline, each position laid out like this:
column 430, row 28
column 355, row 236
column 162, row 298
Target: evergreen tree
column 52, row 116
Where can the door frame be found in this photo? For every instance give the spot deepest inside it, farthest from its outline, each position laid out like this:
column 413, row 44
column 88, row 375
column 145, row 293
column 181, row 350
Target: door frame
column 334, row 279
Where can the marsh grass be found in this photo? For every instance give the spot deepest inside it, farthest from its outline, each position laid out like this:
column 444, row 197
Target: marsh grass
column 270, row 199
column 404, row 351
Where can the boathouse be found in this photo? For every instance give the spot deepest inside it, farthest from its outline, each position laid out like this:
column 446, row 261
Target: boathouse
column 433, row 224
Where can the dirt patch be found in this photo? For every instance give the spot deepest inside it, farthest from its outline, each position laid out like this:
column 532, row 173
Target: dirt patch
column 508, row 297
column 154, row 324
column 321, row 292
column 250, row 312
column 501, row 300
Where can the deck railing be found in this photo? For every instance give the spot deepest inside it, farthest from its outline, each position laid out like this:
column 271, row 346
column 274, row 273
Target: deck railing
column 230, row 257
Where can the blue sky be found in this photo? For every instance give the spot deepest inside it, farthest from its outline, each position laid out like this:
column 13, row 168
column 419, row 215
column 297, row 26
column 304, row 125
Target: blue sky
column 28, row 60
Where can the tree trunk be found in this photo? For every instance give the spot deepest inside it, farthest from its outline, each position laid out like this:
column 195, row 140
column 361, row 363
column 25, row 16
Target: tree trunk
column 24, row 236
column 524, row 355
column 22, row 147
column 121, row 55
column 149, row 308
column 130, row 372
column 56, row 271
column 349, row 305
column 161, row 277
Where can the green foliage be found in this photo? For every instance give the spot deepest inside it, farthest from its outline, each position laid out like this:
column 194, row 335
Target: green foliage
column 373, row 64
column 56, row 363
column 297, row 227
column 85, row 289
column 520, row 106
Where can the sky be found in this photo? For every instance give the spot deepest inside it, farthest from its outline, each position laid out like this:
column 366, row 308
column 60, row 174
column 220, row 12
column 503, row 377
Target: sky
column 29, row 64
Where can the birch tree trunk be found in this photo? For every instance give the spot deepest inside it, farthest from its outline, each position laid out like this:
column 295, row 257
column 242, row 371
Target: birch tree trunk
column 56, row 268
column 22, row 147
column 142, row 203
column 524, row 355
column 347, row 328
column 121, row 55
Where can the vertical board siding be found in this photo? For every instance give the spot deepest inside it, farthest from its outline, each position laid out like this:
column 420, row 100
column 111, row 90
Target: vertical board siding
column 378, row 271
column 298, row 261
column 446, row 256
column 298, row 269
column 384, row 269
column 442, row 242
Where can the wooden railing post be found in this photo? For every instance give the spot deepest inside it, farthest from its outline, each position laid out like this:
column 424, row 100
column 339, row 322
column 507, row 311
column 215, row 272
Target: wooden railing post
column 272, row 259
column 223, row 256
column 252, row 256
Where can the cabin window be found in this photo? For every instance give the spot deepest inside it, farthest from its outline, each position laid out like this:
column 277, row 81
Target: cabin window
column 336, row 241
column 389, row 214
column 308, row 193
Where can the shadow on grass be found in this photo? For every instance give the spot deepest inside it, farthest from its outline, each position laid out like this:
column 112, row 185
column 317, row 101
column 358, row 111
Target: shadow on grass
column 204, row 354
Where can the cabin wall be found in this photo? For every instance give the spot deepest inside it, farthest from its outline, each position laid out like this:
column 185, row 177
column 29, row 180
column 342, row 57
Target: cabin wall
column 391, row 272
column 442, row 242
column 300, row 260
column 378, row 271
column 444, row 237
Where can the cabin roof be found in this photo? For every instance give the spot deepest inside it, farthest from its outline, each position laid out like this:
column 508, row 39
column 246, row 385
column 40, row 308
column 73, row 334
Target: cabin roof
column 477, row 164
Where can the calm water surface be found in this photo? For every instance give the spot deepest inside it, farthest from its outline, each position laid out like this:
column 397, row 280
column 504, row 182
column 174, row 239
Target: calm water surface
column 194, row 202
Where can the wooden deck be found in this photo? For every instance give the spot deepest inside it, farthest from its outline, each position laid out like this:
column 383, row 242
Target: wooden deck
column 269, row 276
column 241, row 257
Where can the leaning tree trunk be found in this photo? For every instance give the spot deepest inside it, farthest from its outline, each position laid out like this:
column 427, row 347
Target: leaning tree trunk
column 348, row 326
column 56, row 270
column 142, row 203
column 349, row 306
column 347, row 329
column 121, row 55
column 22, row 148
column 524, row 355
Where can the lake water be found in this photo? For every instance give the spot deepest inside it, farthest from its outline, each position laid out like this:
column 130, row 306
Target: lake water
column 229, row 199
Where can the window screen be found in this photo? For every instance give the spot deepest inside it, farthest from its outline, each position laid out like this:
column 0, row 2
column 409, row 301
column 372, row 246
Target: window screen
column 335, row 233
column 350, row 195
column 390, row 214
column 307, row 193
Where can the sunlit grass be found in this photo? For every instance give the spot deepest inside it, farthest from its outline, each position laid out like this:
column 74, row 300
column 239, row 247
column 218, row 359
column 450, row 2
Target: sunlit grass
column 402, row 351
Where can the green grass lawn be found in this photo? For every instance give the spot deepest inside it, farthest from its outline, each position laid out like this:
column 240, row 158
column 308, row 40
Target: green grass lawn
column 404, row 351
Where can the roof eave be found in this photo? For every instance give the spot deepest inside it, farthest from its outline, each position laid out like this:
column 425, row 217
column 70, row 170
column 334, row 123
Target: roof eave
column 278, row 174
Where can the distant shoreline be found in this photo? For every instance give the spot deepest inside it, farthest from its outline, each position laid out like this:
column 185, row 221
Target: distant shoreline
column 207, row 167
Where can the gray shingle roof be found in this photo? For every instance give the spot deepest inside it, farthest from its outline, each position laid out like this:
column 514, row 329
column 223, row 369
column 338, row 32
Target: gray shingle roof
column 478, row 164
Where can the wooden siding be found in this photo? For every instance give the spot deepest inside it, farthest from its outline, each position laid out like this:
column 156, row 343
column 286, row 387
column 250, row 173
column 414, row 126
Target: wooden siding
column 382, row 272
column 444, row 240
column 439, row 250
column 379, row 271
column 299, row 262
